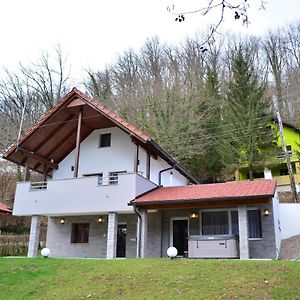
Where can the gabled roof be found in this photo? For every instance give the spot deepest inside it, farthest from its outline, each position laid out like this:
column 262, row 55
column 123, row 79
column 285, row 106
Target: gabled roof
column 5, row 209
column 53, row 137
column 209, row 192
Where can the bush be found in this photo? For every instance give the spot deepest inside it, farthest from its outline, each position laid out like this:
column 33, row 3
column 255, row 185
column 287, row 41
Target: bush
column 14, row 245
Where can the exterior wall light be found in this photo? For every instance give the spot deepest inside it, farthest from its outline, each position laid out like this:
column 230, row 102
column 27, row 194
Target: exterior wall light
column 267, row 212
column 62, row 221
column 100, row 220
column 194, row 215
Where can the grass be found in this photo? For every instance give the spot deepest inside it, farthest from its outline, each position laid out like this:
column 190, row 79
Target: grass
column 40, row 278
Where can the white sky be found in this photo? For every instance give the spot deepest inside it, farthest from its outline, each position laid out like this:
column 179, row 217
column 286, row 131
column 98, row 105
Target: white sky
column 93, row 32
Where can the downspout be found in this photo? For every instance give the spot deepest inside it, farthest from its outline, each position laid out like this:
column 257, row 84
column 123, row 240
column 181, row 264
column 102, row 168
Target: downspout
column 138, row 245
column 160, row 172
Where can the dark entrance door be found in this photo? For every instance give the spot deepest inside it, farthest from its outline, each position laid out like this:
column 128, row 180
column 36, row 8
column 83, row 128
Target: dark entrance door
column 121, row 240
column 180, row 235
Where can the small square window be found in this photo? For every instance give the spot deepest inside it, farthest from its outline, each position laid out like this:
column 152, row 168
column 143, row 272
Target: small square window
column 80, row 233
column 105, row 140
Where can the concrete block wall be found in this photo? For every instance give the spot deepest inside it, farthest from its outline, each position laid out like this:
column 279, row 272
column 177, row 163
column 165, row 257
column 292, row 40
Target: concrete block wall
column 59, row 237
column 154, row 235
column 265, row 247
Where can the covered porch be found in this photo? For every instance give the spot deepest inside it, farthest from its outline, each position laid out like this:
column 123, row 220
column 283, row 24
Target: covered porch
column 228, row 220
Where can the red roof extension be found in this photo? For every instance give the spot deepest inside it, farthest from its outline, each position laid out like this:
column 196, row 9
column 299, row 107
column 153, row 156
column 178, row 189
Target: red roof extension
column 217, row 191
column 5, row 209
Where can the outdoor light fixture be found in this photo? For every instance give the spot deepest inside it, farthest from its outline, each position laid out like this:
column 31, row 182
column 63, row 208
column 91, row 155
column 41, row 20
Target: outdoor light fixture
column 266, row 212
column 62, row 221
column 45, row 252
column 172, row 252
column 100, row 220
column 194, row 215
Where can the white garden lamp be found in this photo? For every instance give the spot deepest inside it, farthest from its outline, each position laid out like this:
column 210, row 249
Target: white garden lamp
column 172, row 252
column 45, row 252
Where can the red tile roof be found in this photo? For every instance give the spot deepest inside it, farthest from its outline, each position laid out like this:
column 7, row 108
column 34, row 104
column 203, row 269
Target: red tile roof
column 106, row 112
column 217, row 191
column 4, row 209
column 131, row 130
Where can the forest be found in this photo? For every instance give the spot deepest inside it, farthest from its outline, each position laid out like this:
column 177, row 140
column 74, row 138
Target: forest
column 206, row 102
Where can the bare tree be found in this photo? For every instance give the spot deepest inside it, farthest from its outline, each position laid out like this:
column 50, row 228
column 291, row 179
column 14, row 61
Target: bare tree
column 30, row 92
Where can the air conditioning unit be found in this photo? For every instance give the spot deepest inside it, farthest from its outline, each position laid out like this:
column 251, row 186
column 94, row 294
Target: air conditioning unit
column 216, row 246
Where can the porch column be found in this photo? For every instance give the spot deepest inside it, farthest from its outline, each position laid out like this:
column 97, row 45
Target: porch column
column 34, row 236
column 77, row 149
column 112, row 229
column 144, row 231
column 26, row 171
column 243, row 232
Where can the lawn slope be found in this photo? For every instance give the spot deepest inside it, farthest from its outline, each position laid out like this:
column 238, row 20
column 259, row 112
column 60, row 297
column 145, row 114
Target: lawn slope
column 22, row 278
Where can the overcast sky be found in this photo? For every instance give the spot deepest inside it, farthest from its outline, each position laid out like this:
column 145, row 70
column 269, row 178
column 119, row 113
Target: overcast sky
column 94, row 32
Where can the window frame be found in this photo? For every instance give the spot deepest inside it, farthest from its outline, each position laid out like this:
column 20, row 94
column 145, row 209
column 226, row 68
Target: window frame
column 76, row 227
column 102, row 144
column 116, row 175
column 229, row 211
column 99, row 175
column 260, row 225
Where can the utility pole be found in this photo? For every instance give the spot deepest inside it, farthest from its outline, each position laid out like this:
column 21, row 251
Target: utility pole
column 287, row 157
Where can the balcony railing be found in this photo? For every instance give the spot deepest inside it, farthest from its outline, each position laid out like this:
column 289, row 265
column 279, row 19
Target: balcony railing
column 80, row 196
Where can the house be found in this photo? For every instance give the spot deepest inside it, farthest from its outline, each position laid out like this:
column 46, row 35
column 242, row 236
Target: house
column 109, row 191
column 277, row 163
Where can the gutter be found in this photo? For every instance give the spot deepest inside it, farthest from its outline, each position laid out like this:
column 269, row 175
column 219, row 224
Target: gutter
column 160, row 172
column 172, row 162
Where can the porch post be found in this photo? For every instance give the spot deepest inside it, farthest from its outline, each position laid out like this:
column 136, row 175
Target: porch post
column 112, row 228
column 77, row 149
column 243, row 232
column 26, row 171
column 34, row 236
column 144, row 231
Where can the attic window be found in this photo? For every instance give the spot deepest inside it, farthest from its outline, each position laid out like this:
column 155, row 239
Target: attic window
column 105, row 140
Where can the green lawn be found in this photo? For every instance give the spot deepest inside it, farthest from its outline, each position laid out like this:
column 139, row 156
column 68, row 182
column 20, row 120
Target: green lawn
column 40, row 278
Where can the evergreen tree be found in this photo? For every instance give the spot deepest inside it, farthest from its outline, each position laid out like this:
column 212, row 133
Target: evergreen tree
column 247, row 115
column 208, row 167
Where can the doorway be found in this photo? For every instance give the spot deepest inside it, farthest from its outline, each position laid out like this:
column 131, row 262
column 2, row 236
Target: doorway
column 121, row 240
column 180, row 235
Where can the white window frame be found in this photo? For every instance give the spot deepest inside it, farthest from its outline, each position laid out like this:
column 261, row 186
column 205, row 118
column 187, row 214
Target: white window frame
column 171, row 227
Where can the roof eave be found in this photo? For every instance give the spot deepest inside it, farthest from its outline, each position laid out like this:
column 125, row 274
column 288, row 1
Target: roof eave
column 157, row 202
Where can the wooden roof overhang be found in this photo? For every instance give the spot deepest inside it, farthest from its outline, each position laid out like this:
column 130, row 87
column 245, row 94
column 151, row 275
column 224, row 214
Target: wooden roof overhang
column 53, row 137
column 202, row 203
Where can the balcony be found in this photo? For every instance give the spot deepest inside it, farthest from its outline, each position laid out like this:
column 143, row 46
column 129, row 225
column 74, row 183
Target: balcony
column 79, row 196
column 285, row 179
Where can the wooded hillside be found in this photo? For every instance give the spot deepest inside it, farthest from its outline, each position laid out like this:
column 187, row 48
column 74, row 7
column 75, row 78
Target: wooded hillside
column 206, row 105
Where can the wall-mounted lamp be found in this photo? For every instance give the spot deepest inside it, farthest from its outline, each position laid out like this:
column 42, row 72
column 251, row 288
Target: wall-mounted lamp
column 267, row 212
column 62, row 221
column 194, row 215
column 100, row 220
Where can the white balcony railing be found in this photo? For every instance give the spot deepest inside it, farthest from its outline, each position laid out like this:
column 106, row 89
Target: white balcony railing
column 83, row 195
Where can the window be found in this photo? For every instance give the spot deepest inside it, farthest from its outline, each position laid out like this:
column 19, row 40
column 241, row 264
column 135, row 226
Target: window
column 234, row 222
column 254, row 224
column 113, row 177
column 80, row 233
column 215, row 222
column 100, row 177
column 105, row 140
